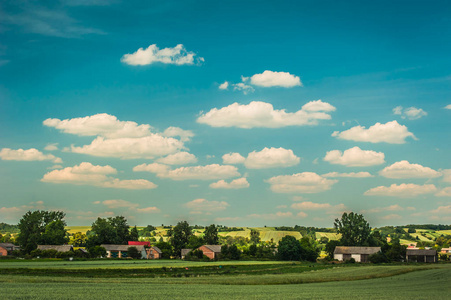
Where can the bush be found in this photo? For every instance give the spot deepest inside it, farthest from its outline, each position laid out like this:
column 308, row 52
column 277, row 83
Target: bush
column 378, row 258
column 97, row 251
column 134, row 253
column 350, row 261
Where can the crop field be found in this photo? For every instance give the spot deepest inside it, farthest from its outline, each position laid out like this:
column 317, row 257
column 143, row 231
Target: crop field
column 319, row 282
column 329, row 235
column 444, row 232
column 74, row 229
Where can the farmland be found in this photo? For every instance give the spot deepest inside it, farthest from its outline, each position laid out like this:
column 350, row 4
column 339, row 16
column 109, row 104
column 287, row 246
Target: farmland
column 283, row 280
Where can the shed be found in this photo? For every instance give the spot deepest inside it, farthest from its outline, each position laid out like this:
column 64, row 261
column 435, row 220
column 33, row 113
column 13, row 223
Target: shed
column 184, row 252
column 359, row 254
column 211, row 251
column 59, row 248
column 154, row 253
column 421, row 255
column 121, row 251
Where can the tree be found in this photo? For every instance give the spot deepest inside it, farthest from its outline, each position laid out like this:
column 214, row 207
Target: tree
column 165, row 248
column 289, row 248
column 211, row 235
column 134, row 253
column 55, row 233
column 109, row 231
column 78, row 239
column 180, row 236
column 308, row 250
column 134, row 235
column 354, row 229
column 255, row 236
column 34, row 224
column 97, row 251
column 330, row 248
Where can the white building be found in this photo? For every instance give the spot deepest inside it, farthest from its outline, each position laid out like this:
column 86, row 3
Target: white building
column 359, row 254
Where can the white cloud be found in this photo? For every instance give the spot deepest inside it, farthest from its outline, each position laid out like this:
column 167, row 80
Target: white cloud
column 150, row 209
column 302, row 214
column 180, row 158
column 448, row 106
column 185, row 135
column 403, row 190
column 27, row 155
column 355, row 157
column 224, row 86
column 391, row 132
column 208, row 172
column 51, row 147
column 349, row 175
column 445, row 209
column 411, row 113
column 100, row 124
column 259, row 114
column 307, row 205
column 306, row 182
column 203, row 205
column 271, row 158
column 233, row 158
column 318, row 105
column 152, row 54
column 243, row 87
column 239, row 183
column 445, row 192
column 147, row 147
column 404, row 169
column 446, row 175
column 117, row 204
column 88, row 174
column 270, row 79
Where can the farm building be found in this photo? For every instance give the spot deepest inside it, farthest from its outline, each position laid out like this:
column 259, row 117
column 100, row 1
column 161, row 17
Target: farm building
column 421, row 255
column 154, row 253
column 211, row 251
column 135, row 243
column 185, row 252
column 59, row 248
column 360, row 254
column 121, row 251
column 445, row 250
column 6, row 248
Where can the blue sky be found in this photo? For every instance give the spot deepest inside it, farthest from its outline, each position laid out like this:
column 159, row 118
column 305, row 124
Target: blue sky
column 243, row 113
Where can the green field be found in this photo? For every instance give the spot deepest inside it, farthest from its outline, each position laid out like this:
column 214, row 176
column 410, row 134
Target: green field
column 329, row 235
column 334, row 282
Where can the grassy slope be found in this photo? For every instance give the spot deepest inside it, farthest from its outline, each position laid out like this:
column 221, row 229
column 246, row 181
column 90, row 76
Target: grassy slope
column 423, row 284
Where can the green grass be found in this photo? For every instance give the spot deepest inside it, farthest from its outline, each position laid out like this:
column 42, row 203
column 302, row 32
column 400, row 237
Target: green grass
column 329, row 235
column 367, row 282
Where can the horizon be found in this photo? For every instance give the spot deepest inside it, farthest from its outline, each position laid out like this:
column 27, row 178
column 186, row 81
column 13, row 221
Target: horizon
column 254, row 113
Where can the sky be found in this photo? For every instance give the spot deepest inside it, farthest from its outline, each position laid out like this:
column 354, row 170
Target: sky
column 240, row 113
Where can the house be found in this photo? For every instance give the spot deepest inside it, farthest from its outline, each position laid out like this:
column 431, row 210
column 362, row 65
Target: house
column 6, row 248
column 136, row 243
column 421, row 255
column 59, row 248
column 121, row 251
column 211, row 251
column 445, row 250
column 154, row 253
column 359, row 254
column 185, row 252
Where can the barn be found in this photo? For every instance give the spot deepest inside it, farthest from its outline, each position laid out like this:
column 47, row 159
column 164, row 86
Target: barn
column 59, row 248
column 6, row 248
column 421, row 255
column 211, row 251
column 154, row 253
column 121, row 251
column 359, row 254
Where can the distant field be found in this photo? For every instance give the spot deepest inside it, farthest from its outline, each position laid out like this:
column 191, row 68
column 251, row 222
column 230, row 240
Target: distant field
column 329, row 235
column 444, row 232
column 74, row 229
column 352, row 282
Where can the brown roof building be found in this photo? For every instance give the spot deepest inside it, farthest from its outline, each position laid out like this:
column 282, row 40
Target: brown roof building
column 211, row 251
column 421, row 255
column 154, row 253
column 359, row 254
column 121, row 251
column 59, row 248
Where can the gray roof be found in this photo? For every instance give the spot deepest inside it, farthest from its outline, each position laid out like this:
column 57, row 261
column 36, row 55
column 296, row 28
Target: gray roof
column 156, row 249
column 9, row 246
column 59, row 248
column 185, row 252
column 214, row 248
column 111, row 247
column 421, row 252
column 356, row 250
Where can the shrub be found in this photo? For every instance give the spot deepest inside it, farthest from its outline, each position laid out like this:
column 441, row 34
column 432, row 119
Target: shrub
column 378, row 258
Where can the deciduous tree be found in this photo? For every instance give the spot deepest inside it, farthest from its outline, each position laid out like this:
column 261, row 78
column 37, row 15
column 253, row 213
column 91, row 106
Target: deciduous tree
column 354, row 229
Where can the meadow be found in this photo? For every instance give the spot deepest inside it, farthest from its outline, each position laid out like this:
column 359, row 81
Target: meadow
column 309, row 281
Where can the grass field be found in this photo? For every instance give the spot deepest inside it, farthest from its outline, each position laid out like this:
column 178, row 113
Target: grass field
column 359, row 282
column 329, row 235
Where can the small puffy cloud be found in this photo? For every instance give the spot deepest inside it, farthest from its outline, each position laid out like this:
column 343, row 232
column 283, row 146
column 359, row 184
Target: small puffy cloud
column 152, row 54
column 27, row 155
column 448, row 106
column 88, row 174
column 224, row 86
column 348, row 175
column 51, row 147
column 390, row 132
column 208, row 172
column 404, row 169
column 117, row 204
column 149, row 210
column 271, row 79
column 100, row 124
column 233, row 158
column 185, row 135
column 260, row 114
column 203, row 205
column 180, row 158
column 445, row 192
column 147, row 147
column 271, row 158
column 404, row 190
column 243, row 87
column 306, row 182
column 239, row 183
column 355, row 157
column 411, row 113
column 318, row 105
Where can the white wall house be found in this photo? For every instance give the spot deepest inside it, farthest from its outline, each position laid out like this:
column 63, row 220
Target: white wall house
column 359, row 254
